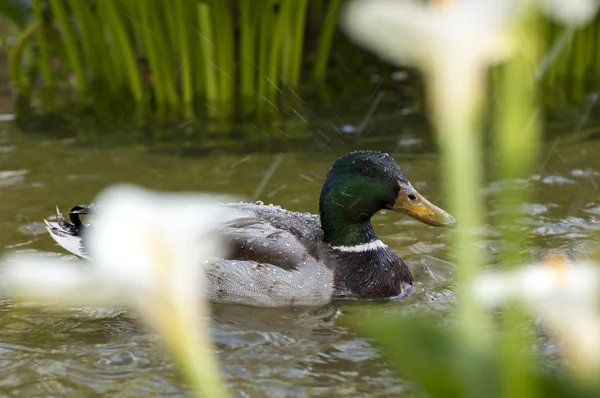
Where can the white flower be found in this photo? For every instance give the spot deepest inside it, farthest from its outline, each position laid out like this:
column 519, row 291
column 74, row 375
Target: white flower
column 414, row 32
column 570, row 12
column 453, row 42
column 147, row 250
column 562, row 295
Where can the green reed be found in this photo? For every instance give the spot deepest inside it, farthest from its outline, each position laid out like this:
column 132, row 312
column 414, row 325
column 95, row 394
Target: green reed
column 516, row 145
column 173, row 59
column 575, row 67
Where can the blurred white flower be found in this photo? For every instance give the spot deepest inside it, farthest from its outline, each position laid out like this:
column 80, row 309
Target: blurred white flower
column 570, row 12
column 416, row 32
column 564, row 296
column 452, row 41
column 148, row 251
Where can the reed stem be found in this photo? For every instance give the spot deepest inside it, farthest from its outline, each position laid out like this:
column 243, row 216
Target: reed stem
column 44, row 61
column 247, row 54
column 124, row 59
column 326, row 39
column 181, row 20
column 18, row 74
column 207, row 47
column 71, row 45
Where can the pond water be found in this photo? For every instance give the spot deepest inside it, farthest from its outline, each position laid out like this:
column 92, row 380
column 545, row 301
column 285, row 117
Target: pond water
column 264, row 352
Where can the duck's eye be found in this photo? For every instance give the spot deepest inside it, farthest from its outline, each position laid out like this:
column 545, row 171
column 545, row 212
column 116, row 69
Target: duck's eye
column 412, row 196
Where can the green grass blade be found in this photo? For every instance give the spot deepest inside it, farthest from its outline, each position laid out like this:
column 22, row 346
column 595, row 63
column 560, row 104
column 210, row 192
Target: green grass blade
column 18, row 75
column 222, row 11
column 247, row 54
column 207, row 49
column 296, row 61
column 181, row 21
column 325, row 41
column 88, row 31
column 61, row 14
column 45, row 62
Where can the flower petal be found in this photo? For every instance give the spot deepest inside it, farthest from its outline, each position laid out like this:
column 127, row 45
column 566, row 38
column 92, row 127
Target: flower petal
column 155, row 241
column 562, row 295
column 36, row 278
column 570, row 12
column 405, row 31
column 539, row 282
column 395, row 30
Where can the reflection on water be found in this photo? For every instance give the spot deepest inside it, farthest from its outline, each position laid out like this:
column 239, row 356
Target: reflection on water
column 264, row 352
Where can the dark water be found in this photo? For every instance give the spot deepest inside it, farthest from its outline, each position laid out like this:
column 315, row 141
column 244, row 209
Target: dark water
column 270, row 353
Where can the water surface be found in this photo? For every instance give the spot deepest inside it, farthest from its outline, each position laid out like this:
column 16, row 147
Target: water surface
column 264, row 352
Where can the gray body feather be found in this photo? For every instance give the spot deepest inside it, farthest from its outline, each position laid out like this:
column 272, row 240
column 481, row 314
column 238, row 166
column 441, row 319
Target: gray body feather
column 276, row 258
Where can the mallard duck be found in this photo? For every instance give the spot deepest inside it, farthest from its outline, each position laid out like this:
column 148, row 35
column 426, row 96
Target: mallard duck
column 283, row 258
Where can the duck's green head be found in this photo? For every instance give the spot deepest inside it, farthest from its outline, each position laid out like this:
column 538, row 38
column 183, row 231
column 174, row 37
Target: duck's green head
column 358, row 185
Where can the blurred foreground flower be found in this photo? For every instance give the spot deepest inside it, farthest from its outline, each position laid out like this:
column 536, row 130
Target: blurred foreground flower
column 452, row 41
column 564, row 296
column 147, row 250
column 570, row 12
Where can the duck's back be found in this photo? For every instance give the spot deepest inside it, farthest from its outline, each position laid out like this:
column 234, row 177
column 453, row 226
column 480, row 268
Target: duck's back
column 275, row 258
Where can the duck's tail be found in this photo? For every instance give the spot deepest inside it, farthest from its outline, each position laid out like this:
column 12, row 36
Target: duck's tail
column 69, row 235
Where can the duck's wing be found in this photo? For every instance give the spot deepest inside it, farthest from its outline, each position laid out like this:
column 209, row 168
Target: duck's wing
column 271, row 235
column 275, row 259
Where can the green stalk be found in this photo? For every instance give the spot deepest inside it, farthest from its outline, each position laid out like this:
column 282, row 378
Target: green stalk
column 297, row 43
column 124, row 57
column 187, row 334
column 86, row 24
column 91, row 38
column 264, row 47
column 548, row 65
column 158, row 80
column 271, row 78
column 18, row 75
column 59, row 10
column 45, row 62
column 222, row 11
column 115, row 68
column 4, row 43
column 181, row 20
column 247, row 54
column 208, row 56
column 326, row 35
column 286, row 14
column 458, row 121
column 563, row 64
column 161, row 40
column 517, row 140
column 578, row 67
column 597, row 51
